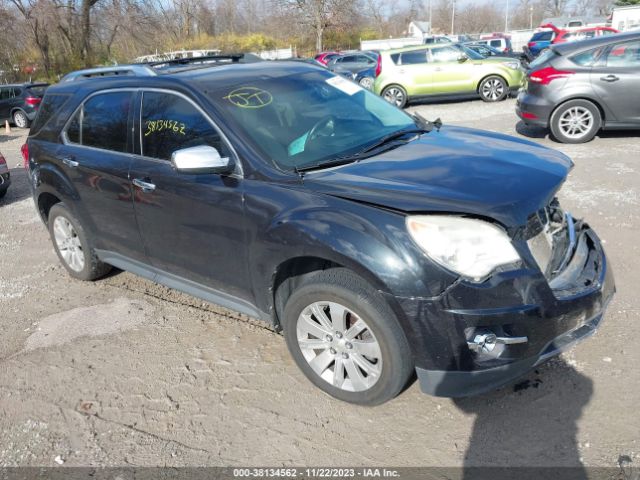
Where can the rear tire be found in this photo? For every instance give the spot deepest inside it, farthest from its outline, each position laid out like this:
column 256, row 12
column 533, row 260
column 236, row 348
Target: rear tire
column 20, row 119
column 334, row 319
column 71, row 243
column 396, row 95
column 576, row 121
column 493, row 89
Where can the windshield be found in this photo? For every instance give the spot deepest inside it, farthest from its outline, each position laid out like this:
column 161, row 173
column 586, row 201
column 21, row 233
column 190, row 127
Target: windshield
column 542, row 36
column 309, row 119
column 472, row 54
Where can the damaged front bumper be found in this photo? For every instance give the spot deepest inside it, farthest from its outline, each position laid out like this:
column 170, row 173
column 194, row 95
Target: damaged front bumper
column 525, row 316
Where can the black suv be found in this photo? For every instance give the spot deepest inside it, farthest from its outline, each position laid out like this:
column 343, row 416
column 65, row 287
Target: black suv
column 19, row 103
column 380, row 243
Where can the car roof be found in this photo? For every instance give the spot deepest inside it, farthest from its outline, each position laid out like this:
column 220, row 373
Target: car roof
column 571, row 47
column 428, row 46
column 199, row 77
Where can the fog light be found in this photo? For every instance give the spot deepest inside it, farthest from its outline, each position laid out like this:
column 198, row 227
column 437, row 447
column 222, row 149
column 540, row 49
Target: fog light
column 486, row 341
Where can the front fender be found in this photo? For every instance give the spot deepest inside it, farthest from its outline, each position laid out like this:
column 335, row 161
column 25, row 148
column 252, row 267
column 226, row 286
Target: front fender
column 370, row 241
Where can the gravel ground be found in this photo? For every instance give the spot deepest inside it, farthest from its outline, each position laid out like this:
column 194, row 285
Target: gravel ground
column 125, row 372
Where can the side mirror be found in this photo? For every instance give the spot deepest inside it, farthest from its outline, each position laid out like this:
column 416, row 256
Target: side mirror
column 201, row 159
column 462, row 58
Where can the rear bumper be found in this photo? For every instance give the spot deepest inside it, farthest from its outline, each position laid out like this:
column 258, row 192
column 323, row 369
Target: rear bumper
column 517, row 304
column 533, row 110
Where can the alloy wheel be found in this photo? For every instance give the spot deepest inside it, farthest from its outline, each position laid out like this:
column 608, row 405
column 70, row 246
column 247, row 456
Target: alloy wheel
column 339, row 346
column 366, row 82
column 394, row 95
column 20, row 119
column 576, row 122
column 493, row 89
column 68, row 244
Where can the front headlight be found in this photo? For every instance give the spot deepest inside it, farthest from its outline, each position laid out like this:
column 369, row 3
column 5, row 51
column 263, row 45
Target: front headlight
column 473, row 248
column 512, row 65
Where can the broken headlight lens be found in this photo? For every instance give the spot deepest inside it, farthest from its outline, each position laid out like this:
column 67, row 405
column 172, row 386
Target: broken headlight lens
column 470, row 247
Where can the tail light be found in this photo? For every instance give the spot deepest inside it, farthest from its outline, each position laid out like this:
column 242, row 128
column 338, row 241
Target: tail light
column 547, row 75
column 531, row 44
column 2, row 160
column 33, row 101
column 379, row 66
column 25, row 156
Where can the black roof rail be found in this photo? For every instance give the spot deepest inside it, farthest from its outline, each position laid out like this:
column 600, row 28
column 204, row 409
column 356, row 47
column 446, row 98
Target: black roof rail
column 206, row 60
column 118, row 70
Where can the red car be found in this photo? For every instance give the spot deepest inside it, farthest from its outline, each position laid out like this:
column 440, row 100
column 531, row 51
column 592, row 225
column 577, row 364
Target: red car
column 542, row 40
column 324, row 57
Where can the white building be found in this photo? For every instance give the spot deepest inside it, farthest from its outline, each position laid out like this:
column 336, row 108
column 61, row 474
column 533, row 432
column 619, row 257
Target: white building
column 626, row 18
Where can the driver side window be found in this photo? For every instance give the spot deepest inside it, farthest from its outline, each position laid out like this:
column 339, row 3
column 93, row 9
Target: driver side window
column 169, row 123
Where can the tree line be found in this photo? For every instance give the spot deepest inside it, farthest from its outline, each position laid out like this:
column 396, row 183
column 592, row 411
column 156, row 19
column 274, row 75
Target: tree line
column 46, row 38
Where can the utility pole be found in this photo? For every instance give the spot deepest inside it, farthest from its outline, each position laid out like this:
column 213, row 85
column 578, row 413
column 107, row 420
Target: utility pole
column 430, row 16
column 506, row 18
column 453, row 17
column 530, row 18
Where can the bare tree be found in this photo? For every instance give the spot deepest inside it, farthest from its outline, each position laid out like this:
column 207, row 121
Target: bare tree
column 320, row 14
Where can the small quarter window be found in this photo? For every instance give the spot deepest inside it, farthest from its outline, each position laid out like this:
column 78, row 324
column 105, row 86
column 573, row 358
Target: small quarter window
column 170, row 123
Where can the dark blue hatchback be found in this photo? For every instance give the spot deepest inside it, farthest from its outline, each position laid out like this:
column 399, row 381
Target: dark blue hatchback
column 381, row 244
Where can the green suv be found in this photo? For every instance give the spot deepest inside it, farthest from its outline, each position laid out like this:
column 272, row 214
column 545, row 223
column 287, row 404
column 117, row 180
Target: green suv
column 444, row 71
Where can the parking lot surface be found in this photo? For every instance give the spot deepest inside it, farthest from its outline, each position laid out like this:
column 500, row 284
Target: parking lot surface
column 126, row 372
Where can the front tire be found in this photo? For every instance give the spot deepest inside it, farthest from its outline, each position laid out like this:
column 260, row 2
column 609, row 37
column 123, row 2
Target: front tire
column 576, row 121
column 20, row 119
column 72, row 245
column 493, row 89
column 395, row 95
column 345, row 338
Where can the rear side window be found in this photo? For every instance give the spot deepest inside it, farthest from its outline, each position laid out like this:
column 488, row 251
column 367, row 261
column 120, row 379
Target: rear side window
column 496, row 43
column 17, row 92
column 170, row 123
column 50, row 104
column 414, row 58
column 102, row 121
column 395, row 58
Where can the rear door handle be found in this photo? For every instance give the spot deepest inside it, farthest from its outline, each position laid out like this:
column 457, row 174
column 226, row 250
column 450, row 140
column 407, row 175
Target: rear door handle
column 70, row 162
column 145, row 186
column 610, row 78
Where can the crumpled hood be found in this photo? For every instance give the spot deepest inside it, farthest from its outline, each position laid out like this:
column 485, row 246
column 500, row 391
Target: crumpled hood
column 457, row 170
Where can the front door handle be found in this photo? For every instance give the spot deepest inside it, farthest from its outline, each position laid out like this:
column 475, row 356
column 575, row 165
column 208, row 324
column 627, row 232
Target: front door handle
column 610, row 78
column 145, row 186
column 70, row 162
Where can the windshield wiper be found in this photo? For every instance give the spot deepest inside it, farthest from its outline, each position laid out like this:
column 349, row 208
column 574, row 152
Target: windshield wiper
column 425, row 126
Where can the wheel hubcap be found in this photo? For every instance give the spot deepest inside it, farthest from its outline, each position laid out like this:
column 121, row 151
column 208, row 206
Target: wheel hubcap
column 339, row 346
column 493, row 89
column 68, row 244
column 395, row 96
column 576, row 122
